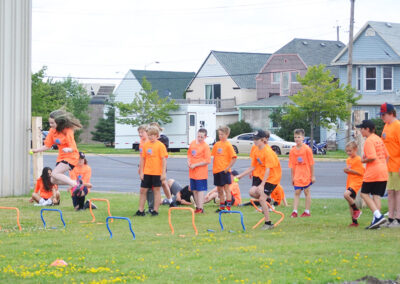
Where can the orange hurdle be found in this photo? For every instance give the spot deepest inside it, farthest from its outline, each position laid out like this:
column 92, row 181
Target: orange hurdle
column 263, row 218
column 181, row 208
column 99, row 199
column 13, row 208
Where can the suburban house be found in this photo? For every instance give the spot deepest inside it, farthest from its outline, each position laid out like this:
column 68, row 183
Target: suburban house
column 376, row 69
column 226, row 79
column 276, row 80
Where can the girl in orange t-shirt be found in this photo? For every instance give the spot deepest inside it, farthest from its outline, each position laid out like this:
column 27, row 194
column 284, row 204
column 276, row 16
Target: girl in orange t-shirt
column 45, row 193
column 83, row 173
column 62, row 125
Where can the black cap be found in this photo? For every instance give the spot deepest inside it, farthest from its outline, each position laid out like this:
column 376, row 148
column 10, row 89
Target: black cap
column 81, row 155
column 234, row 173
column 259, row 134
column 367, row 124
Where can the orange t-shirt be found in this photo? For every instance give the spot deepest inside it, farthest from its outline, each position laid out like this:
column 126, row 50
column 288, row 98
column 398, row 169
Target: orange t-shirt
column 391, row 138
column 198, row 153
column 153, row 153
column 223, row 154
column 83, row 172
column 63, row 139
column 278, row 194
column 355, row 181
column 43, row 192
column 266, row 158
column 235, row 191
column 300, row 161
column 374, row 148
column 142, row 142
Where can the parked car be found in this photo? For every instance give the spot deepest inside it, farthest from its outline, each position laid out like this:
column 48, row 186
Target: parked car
column 243, row 143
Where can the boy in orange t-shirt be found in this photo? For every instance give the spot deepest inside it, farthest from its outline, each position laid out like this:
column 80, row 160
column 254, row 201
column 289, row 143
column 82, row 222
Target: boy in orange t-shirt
column 376, row 172
column 224, row 158
column 152, row 170
column 355, row 172
column 267, row 173
column 199, row 156
column 301, row 164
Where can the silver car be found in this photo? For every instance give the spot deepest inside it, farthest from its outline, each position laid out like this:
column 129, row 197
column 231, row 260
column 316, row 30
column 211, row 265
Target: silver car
column 243, row 143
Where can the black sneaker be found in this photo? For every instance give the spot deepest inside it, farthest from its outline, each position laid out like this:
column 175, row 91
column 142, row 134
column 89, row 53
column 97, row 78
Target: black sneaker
column 139, row 213
column 154, row 213
column 219, row 210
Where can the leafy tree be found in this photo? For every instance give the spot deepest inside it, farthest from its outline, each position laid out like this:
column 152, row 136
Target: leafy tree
column 239, row 127
column 286, row 125
column 146, row 107
column 321, row 101
column 105, row 128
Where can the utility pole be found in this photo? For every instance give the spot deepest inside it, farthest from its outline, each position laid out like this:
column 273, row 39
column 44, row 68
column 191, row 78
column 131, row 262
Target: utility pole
column 350, row 65
column 337, row 32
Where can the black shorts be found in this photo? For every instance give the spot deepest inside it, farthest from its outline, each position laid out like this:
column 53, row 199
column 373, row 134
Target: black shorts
column 71, row 167
column 374, row 188
column 268, row 187
column 353, row 193
column 222, row 178
column 150, row 181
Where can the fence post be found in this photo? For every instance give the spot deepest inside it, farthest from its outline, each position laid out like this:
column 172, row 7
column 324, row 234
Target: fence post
column 37, row 143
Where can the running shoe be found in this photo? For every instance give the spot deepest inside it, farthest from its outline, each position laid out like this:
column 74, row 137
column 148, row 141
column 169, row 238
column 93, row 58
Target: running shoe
column 294, row 215
column 356, row 214
column 267, row 227
column 376, row 223
column 305, row 214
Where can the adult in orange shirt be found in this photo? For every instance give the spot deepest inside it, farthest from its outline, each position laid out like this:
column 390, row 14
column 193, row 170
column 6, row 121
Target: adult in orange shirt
column 224, row 158
column 267, row 174
column 83, row 173
column 391, row 138
column 235, row 192
column 301, row 164
column 376, row 172
column 152, row 170
column 62, row 126
column 45, row 193
column 199, row 157
column 355, row 172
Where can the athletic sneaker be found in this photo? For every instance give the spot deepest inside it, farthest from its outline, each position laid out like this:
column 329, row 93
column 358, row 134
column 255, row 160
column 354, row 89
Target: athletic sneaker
column 294, row 215
column 353, row 225
column 154, row 213
column 267, row 227
column 199, row 210
column 356, row 214
column 48, row 202
column 393, row 224
column 219, row 210
column 138, row 213
column 305, row 214
column 376, row 223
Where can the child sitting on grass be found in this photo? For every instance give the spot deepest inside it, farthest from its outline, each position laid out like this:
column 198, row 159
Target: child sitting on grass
column 46, row 193
column 235, row 192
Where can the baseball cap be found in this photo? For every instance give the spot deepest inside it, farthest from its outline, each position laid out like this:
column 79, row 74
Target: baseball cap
column 81, row 155
column 385, row 108
column 366, row 124
column 259, row 134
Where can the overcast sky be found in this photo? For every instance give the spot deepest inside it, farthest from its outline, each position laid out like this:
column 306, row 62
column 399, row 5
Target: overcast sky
column 106, row 38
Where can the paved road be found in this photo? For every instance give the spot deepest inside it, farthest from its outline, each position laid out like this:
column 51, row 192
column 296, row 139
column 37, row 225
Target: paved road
column 119, row 174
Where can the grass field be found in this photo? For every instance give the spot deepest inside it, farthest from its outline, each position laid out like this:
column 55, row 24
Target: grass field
column 319, row 249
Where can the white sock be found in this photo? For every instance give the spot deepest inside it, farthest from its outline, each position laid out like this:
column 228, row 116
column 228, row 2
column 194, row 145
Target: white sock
column 170, row 200
column 377, row 214
column 295, row 211
column 307, row 211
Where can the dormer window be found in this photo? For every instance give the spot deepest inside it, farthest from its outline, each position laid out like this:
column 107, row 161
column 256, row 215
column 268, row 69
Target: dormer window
column 370, row 32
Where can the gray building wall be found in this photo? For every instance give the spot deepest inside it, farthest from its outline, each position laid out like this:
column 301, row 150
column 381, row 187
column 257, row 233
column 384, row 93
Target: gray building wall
column 96, row 111
column 15, row 96
column 257, row 118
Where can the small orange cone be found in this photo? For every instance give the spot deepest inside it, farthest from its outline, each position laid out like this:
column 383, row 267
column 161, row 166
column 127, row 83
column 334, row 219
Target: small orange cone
column 59, row 262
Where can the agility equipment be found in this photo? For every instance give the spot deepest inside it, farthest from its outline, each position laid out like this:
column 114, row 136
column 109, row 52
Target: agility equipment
column 47, row 209
column 99, row 199
column 59, row 262
column 231, row 212
column 263, row 218
column 121, row 218
column 181, row 208
column 16, row 209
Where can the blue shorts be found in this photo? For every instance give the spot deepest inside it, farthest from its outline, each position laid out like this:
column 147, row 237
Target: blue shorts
column 222, row 178
column 198, row 184
column 302, row 187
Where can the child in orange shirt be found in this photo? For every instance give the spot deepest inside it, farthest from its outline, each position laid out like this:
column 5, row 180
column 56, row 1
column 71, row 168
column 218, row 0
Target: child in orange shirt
column 355, row 172
column 235, row 192
column 46, row 193
column 62, row 126
column 267, row 174
column 376, row 172
column 81, row 172
column 224, row 158
column 301, row 163
column 153, row 164
column 199, row 157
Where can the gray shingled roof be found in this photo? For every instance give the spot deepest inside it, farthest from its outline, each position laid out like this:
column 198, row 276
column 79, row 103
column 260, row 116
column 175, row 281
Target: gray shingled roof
column 377, row 100
column 314, row 52
column 390, row 32
column 236, row 63
column 274, row 101
column 166, row 82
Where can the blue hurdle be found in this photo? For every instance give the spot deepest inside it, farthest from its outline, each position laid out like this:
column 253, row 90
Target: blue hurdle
column 121, row 218
column 48, row 209
column 230, row 212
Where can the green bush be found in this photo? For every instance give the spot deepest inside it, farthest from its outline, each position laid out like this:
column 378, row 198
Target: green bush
column 379, row 124
column 239, row 127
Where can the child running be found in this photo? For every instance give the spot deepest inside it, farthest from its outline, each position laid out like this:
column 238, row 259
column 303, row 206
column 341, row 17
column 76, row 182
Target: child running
column 355, row 172
column 376, row 172
column 224, row 158
column 153, row 164
column 301, row 163
column 199, row 157
column 62, row 126
column 46, row 193
column 82, row 172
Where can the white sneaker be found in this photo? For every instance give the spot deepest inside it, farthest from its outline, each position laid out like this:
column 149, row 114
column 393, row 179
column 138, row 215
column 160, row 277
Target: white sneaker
column 48, row 202
column 393, row 224
column 41, row 202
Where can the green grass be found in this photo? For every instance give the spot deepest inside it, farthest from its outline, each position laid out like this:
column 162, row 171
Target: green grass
column 319, row 249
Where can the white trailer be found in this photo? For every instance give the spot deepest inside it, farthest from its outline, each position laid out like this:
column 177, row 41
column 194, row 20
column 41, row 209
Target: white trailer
column 181, row 131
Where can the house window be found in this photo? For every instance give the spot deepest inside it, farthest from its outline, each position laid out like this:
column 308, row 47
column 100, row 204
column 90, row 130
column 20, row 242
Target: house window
column 293, row 78
column 213, row 91
column 370, row 78
column 358, row 78
column 387, row 75
column 285, row 83
column 276, row 78
column 366, row 115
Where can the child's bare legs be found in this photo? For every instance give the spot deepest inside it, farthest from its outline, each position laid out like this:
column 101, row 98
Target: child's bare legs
column 166, row 189
column 199, row 198
column 263, row 202
column 349, row 200
column 58, row 176
column 377, row 201
column 228, row 196
column 35, row 197
column 142, row 198
column 212, row 195
column 296, row 199
column 56, row 198
column 253, row 192
column 371, row 202
column 221, row 196
column 285, row 202
column 391, row 203
column 157, row 198
column 308, row 199
column 397, row 204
